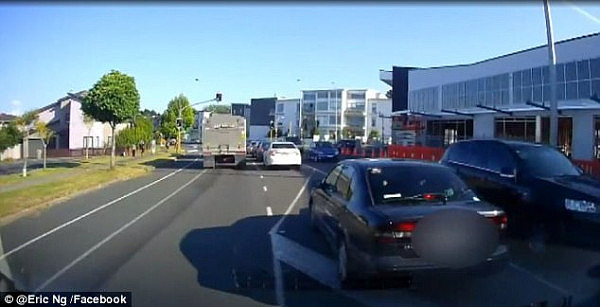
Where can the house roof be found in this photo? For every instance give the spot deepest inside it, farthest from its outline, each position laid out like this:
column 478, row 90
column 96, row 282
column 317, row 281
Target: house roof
column 7, row 117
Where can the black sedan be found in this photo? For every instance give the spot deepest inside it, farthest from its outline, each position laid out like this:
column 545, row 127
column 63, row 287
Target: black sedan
column 369, row 210
column 536, row 185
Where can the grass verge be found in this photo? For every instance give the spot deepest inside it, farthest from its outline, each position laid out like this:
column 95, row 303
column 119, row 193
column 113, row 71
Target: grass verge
column 83, row 178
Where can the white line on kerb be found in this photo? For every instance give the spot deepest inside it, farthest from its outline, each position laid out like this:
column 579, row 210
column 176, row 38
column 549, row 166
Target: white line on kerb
column 112, row 235
column 269, row 211
column 114, row 201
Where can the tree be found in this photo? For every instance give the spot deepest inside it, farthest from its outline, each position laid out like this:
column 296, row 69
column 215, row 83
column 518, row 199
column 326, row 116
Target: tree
column 10, row 136
column 141, row 131
column 25, row 123
column 113, row 100
column 168, row 119
column 389, row 94
column 218, row 108
column 374, row 134
column 45, row 135
column 149, row 113
column 346, row 133
column 89, row 123
column 275, row 133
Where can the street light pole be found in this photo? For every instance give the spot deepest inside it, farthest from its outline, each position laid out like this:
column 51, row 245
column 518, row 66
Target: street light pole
column 336, row 113
column 552, row 68
column 300, row 112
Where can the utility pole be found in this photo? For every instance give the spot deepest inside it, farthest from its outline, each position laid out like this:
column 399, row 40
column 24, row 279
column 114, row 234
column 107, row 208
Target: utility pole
column 552, row 68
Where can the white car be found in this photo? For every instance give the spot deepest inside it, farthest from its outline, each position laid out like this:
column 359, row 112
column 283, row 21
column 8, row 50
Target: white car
column 282, row 153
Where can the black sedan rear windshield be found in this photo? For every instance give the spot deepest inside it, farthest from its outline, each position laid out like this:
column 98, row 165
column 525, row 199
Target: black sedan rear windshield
column 283, row 145
column 406, row 185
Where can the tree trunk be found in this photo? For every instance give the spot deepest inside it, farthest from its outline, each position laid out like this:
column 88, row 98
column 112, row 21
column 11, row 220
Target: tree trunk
column 112, row 145
column 45, row 145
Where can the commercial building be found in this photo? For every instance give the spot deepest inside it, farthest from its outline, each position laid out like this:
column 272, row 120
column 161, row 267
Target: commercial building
column 504, row 97
column 287, row 116
column 342, row 110
column 242, row 109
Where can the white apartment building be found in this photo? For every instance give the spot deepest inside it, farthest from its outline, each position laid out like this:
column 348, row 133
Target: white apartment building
column 379, row 111
column 344, row 110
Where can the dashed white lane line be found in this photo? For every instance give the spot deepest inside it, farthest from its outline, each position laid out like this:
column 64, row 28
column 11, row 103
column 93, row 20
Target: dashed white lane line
column 112, row 235
column 264, row 188
column 269, row 211
column 114, row 201
column 261, row 176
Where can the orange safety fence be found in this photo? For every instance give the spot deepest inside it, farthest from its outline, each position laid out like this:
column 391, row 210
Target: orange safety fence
column 591, row 167
column 415, row 152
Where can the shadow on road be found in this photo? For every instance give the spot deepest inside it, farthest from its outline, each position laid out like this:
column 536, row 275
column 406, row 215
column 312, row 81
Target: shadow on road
column 174, row 164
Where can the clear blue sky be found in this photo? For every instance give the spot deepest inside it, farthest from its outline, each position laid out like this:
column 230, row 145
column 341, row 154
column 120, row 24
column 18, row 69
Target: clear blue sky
column 254, row 50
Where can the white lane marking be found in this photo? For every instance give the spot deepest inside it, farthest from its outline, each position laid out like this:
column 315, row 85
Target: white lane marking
column 540, row 279
column 112, row 202
column 261, row 176
column 276, row 264
column 269, row 211
column 309, row 262
column 264, row 188
column 315, row 169
column 112, row 235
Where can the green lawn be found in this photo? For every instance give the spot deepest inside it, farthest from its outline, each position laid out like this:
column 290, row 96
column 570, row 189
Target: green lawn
column 86, row 175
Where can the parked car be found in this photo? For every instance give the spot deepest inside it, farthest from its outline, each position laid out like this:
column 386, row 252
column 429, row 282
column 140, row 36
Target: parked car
column 319, row 151
column 536, row 185
column 297, row 141
column 260, row 149
column 282, row 153
column 368, row 209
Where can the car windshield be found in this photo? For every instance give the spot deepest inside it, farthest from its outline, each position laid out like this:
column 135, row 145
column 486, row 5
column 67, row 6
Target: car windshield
column 283, row 146
column 407, row 185
column 324, row 145
column 543, row 161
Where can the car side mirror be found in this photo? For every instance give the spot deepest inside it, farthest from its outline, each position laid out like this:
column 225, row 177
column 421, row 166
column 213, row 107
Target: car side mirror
column 508, row 172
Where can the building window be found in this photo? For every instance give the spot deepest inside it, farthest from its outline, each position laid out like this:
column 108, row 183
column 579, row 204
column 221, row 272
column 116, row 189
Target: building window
column 595, row 67
column 583, row 70
column 570, row 72
column 356, row 96
column 526, row 75
column 321, row 95
column 322, row 106
column 374, row 107
column 583, row 88
column 373, row 122
column 596, row 87
column 571, row 90
column 536, row 76
column 309, row 96
column 280, row 108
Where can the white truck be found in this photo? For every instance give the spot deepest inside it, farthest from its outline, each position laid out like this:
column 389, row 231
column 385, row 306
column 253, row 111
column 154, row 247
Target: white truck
column 223, row 140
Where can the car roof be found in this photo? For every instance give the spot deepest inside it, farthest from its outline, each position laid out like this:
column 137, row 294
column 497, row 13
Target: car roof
column 387, row 162
column 509, row 143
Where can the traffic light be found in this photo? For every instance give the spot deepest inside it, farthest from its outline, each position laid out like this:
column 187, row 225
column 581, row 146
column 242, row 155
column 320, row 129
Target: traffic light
column 219, row 96
column 179, row 123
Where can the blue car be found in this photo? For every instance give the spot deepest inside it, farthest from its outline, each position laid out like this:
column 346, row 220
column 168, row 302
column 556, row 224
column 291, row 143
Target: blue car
column 320, row 151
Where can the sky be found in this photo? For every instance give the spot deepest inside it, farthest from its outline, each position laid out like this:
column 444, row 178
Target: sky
column 255, row 50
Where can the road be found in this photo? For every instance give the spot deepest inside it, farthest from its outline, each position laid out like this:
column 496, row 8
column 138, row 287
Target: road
column 185, row 236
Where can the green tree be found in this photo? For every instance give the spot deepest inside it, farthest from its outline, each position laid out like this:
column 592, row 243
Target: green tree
column 113, row 100
column 274, row 133
column 140, row 131
column 10, row 136
column 219, row 108
column 45, row 135
column 168, row 119
column 374, row 134
column 346, row 133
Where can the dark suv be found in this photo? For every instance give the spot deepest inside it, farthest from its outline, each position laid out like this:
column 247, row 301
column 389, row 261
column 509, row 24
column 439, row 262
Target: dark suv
column 535, row 184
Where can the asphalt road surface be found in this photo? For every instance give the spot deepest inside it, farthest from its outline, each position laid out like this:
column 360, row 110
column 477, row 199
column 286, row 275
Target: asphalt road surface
column 185, row 236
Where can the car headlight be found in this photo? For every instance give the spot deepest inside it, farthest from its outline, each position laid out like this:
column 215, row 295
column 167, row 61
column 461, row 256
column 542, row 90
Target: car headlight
column 581, row 206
